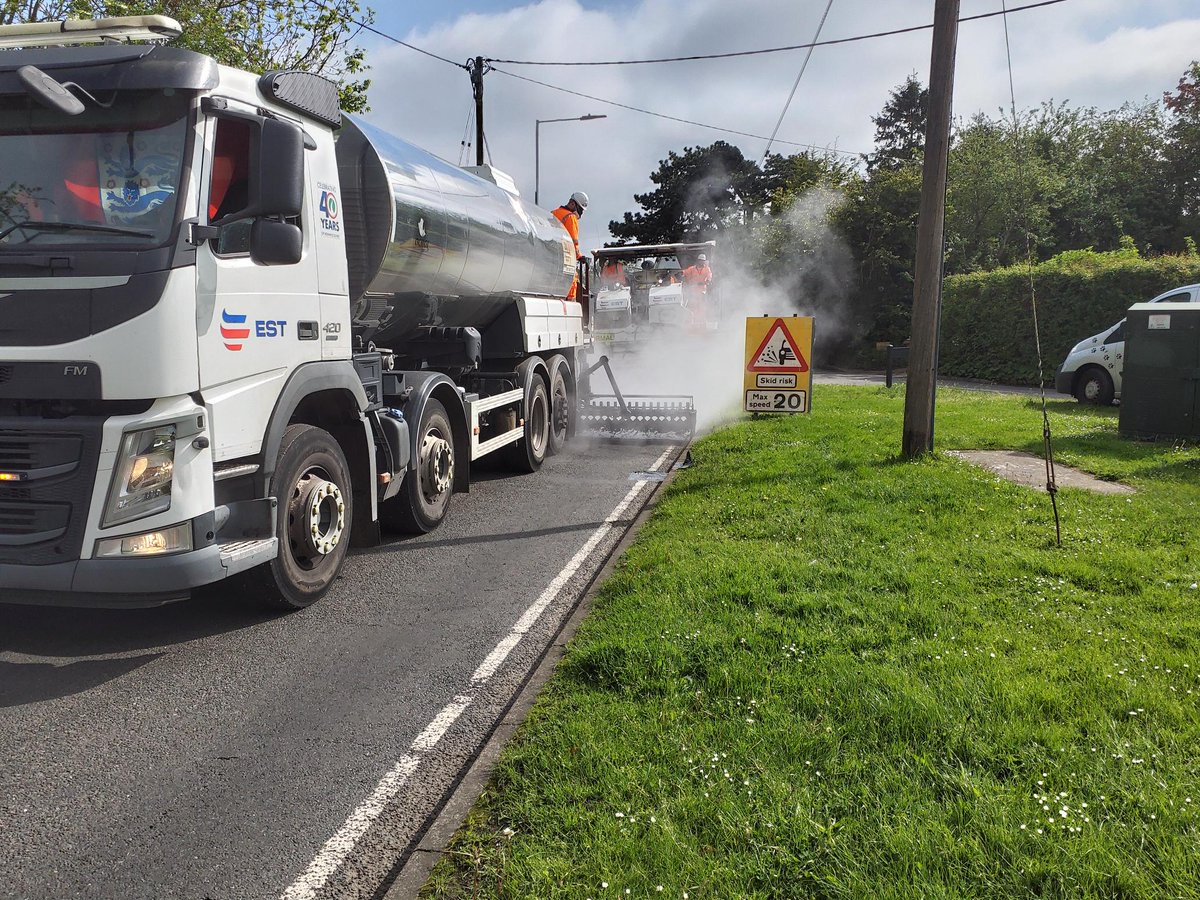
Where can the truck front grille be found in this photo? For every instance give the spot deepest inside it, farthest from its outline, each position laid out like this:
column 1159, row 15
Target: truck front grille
column 36, row 453
column 31, row 523
column 43, row 516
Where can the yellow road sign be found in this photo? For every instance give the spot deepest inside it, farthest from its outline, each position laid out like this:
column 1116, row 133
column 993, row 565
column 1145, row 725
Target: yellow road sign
column 778, row 374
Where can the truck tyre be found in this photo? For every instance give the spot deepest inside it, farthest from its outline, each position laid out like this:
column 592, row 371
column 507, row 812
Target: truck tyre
column 312, row 485
column 1094, row 385
column 425, row 496
column 528, row 454
column 562, row 406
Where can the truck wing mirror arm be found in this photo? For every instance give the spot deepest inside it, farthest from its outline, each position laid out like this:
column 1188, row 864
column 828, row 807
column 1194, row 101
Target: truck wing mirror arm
column 201, row 233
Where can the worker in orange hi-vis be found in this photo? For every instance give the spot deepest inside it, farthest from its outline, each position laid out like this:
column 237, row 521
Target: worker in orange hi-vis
column 569, row 214
column 696, row 279
column 612, row 275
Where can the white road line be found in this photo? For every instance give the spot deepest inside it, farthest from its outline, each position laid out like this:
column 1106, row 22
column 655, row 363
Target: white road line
column 508, row 643
column 342, row 844
column 662, row 459
column 488, row 667
column 433, row 732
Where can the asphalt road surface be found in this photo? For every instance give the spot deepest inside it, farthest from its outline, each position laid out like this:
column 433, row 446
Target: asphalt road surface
column 204, row 750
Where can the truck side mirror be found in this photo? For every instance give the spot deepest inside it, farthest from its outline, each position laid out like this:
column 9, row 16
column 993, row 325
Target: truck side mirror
column 275, row 243
column 277, row 170
column 268, row 165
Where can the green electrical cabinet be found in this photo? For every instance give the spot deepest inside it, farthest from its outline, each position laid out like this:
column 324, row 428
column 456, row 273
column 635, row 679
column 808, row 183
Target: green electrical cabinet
column 1160, row 394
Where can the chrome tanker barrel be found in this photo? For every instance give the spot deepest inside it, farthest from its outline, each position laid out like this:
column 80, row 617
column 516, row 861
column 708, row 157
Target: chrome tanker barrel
column 429, row 243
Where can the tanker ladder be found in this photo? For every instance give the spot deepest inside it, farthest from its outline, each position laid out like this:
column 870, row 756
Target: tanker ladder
column 636, row 415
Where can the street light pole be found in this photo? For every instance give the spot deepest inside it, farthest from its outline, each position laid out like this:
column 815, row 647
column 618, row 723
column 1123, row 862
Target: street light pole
column 537, row 152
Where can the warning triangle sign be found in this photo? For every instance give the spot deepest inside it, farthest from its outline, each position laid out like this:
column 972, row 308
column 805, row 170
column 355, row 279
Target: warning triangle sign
column 778, row 352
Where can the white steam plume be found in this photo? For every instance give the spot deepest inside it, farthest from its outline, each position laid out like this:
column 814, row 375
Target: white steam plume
column 815, row 280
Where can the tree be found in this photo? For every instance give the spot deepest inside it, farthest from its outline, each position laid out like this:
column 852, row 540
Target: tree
column 256, row 35
column 791, row 235
column 900, row 127
column 1123, row 163
column 1071, row 178
column 1000, row 189
column 1183, row 146
column 786, row 177
column 701, row 192
column 13, row 11
column 878, row 220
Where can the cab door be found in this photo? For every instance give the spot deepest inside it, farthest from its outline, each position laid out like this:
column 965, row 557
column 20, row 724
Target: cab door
column 255, row 323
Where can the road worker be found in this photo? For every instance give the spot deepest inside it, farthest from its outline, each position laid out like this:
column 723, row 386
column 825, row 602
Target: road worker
column 569, row 214
column 612, row 275
column 696, row 279
column 699, row 275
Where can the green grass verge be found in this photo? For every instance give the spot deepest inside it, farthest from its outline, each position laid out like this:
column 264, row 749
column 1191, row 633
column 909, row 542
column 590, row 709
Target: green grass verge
column 824, row 672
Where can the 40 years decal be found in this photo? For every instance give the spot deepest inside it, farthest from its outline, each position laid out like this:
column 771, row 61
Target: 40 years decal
column 329, row 209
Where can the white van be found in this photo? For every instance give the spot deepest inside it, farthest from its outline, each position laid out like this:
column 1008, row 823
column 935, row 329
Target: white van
column 1092, row 370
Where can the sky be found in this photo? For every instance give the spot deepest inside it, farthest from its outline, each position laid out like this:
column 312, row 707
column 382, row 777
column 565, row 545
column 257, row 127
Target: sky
column 1100, row 53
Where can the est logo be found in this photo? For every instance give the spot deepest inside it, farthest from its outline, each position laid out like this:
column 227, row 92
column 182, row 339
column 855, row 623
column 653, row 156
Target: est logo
column 328, row 207
column 270, row 327
column 235, row 329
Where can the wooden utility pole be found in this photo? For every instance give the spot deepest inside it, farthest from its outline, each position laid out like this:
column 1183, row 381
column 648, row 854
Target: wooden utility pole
column 477, row 90
column 927, row 290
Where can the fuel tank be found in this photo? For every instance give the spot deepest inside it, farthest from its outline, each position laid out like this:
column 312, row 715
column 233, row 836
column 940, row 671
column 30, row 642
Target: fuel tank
column 429, row 243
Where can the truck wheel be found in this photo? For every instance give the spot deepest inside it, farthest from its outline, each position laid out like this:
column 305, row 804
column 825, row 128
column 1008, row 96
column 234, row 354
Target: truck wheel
column 425, row 495
column 1094, row 385
column 562, row 408
column 312, row 484
column 528, row 454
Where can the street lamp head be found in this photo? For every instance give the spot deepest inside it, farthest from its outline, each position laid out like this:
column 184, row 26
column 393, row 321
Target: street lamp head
column 537, row 135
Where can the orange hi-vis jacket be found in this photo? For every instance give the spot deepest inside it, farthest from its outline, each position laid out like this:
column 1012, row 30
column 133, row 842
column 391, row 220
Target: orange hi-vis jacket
column 698, row 275
column 570, row 222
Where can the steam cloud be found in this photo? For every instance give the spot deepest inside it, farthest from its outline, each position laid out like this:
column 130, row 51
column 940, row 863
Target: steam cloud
column 815, row 279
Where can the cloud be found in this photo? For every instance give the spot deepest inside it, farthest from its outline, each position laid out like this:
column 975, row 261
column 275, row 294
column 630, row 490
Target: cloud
column 1102, row 53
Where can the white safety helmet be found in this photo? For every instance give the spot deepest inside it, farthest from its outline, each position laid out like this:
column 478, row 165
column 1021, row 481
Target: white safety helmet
column 702, row 258
column 581, row 199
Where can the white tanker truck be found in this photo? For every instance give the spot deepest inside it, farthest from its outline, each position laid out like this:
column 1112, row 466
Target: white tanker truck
column 238, row 329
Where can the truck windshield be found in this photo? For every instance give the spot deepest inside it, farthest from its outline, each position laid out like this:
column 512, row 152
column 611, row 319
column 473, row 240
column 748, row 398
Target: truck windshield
column 109, row 176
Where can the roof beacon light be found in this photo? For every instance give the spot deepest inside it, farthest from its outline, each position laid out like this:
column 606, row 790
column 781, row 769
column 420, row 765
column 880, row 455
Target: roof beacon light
column 90, row 31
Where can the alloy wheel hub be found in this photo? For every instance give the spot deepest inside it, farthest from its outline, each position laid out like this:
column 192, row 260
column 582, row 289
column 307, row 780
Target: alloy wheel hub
column 438, row 462
column 319, row 515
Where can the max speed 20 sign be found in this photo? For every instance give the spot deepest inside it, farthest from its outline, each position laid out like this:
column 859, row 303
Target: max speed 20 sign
column 778, row 378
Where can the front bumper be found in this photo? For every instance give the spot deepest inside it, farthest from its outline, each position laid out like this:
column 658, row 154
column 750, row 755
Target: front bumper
column 151, row 580
column 112, row 582
column 1064, row 382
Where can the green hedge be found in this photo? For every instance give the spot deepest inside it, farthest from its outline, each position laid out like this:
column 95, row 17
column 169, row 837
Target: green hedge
column 987, row 323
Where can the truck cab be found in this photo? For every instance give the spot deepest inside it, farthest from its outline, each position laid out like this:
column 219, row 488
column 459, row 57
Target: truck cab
column 199, row 267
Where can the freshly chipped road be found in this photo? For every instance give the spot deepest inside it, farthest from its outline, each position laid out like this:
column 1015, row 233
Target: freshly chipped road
column 202, row 750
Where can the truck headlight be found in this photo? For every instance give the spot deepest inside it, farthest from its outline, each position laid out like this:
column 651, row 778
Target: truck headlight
column 176, row 539
column 141, row 483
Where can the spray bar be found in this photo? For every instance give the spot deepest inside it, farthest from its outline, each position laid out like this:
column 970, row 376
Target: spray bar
column 641, row 413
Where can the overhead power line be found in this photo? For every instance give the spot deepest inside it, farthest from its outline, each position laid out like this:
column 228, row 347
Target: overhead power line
column 787, row 105
column 396, row 40
column 648, row 112
column 772, row 140
column 555, row 87
column 826, row 43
